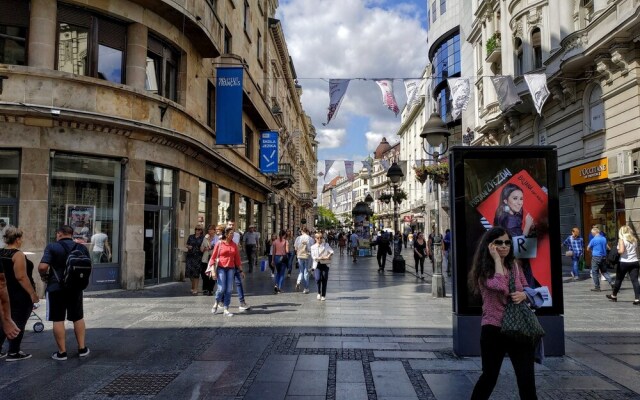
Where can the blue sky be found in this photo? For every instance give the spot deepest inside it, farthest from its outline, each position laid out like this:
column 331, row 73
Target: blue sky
column 353, row 39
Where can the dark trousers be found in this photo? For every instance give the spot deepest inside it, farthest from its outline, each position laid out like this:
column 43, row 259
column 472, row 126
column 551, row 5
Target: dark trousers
column 493, row 347
column 322, row 276
column 632, row 269
column 419, row 262
column 382, row 258
column 20, row 313
column 207, row 283
column 251, row 255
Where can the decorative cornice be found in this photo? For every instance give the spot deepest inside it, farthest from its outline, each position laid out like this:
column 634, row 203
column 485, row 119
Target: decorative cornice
column 603, row 67
column 534, row 16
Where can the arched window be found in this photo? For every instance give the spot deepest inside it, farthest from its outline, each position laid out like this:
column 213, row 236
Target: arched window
column 519, row 66
column 536, row 44
column 596, row 109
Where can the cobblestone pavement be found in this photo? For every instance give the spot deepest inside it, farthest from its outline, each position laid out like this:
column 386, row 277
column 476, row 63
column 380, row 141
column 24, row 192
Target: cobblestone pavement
column 378, row 336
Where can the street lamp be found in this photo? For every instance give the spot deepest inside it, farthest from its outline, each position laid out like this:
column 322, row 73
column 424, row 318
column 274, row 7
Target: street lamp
column 435, row 133
column 395, row 175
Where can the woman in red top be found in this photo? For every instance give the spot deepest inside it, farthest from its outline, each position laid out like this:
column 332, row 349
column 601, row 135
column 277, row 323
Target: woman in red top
column 226, row 251
column 493, row 263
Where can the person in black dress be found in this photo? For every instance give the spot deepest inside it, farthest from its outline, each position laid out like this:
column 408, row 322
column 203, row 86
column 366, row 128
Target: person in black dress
column 419, row 254
column 194, row 257
column 384, row 249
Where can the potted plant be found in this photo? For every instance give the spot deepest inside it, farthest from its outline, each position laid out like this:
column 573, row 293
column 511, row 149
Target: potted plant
column 493, row 42
column 400, row 196
column 438, row 172
column 385, row 197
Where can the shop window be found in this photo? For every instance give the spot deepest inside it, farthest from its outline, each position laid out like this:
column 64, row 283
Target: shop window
column 243, row 217
column 225, row 206
column 257, row 215
column 519, row 63
column 536, row 44
column 90, row 44
column 162, row 69
column 158, row 186
column 14, row 21
column 205, row 204
column 596, row 109
column 9, row 188
column 85, row 193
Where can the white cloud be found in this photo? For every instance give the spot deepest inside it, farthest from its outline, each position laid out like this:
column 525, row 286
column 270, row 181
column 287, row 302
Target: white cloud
column 330, row 138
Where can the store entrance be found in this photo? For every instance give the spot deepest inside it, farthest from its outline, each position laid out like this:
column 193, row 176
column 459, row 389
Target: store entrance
column 157, row 245
column 604, row 207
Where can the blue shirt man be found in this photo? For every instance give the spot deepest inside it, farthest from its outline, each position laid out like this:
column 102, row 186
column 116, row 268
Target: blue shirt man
column 598, row 248
column 598, row 245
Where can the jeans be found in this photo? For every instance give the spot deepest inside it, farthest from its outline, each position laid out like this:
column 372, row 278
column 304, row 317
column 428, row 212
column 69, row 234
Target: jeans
column 597, row 266
column 574, row 265
column 419, row 262
column 291, row 254
column 239, row 288
column 493, row 347
column 303, row 275
column 280, row 271
column 632, row 269
column 250, row 249
column 225, row 285
column 322, row 277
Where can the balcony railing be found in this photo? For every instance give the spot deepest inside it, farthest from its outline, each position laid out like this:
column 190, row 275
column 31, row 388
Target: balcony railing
column 284, row 178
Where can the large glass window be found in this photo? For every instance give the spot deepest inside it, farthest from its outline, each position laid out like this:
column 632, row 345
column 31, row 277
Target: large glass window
column 162, row 69
column 90, row 44
column 596, row 109
column 446, row 60
column 9, row 179
column 225, row 206
column 243, row 216
column 85, row 194
column 204, row 204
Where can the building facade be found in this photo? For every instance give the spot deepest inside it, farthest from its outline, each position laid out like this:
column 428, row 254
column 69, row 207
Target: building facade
column 107, row 123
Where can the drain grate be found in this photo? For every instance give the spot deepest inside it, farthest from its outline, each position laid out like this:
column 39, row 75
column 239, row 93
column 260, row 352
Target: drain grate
column 137, row 384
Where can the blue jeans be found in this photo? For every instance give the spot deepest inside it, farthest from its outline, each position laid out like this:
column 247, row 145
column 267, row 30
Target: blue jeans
column 280, row 271
column 225, row 285
column 290, row 262
column 597, row 266
column 303, row 275
column 574, row 265
column 238, row 279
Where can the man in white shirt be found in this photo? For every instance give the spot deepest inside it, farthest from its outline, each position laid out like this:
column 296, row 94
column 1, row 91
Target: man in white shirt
column 99, row 247
column 302, row 247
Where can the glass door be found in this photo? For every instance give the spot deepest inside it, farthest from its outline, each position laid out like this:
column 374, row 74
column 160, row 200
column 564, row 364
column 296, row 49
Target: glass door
column 157, row 245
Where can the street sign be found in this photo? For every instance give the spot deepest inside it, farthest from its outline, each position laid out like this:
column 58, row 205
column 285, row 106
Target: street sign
column 269, row 152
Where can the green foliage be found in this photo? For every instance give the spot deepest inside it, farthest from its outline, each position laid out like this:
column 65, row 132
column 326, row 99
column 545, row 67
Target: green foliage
column 493, row 42
column 326, row 218
column 400, row 196
column 438, row 172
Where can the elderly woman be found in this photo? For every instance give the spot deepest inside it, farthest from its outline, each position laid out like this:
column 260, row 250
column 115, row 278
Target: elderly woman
column 209, row 241
column 194, row 257
column 22, row 295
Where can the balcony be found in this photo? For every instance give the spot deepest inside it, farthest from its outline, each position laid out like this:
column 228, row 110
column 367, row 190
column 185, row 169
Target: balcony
column 284, row 177
column 495, row 55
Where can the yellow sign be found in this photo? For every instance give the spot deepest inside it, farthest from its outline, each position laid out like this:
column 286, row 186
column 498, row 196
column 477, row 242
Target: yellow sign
column 590, row 172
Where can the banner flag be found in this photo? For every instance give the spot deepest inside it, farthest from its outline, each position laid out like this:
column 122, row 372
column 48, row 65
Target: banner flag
column 333, row 195
column 506, row 92
column 327, row 166
column 388, row 98
column 411, row 87
column 229, row 128
column 348, row 169
column 269, row 152
column 385, row 164
column 366, row 164
column 538, row 87
column 337, row 90
column 460, row 95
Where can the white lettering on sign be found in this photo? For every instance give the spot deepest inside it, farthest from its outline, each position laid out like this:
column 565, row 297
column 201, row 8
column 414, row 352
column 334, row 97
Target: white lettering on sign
column 592, row 172
column 234, row 81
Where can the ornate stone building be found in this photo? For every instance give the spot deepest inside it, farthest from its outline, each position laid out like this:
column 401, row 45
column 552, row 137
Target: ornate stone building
column 107, row 122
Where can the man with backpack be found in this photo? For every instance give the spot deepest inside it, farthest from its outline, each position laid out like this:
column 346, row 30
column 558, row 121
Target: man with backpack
column 64, row 268
column 302, row 246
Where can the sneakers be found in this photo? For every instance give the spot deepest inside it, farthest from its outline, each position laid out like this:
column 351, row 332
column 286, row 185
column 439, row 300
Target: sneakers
column 573, row 275
column 298, row 287
column 214, row 309
column 17, row 356
column 59, row 356
column 244, row 307
column 322, row 298
column 84, row 352
column 318, row 296
column 227, row 313
column 275, row 290
column 3, row 355
column 306, row 291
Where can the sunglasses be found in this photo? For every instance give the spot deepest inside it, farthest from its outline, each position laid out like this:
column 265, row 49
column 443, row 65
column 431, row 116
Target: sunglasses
column 502, row 242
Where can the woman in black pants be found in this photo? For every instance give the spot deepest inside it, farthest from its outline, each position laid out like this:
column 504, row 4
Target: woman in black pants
column 321, row 254
column 18, row 271
column 628, row 250
column 419, row 254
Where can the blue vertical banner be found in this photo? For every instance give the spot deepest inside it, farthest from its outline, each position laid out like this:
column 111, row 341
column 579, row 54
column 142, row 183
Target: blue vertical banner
column 229, row 105
column 269, row 152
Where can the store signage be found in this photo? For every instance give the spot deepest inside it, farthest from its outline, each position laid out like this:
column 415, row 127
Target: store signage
column 229, row 105
column 269, row 152
column 407, row 218
column 590, row 172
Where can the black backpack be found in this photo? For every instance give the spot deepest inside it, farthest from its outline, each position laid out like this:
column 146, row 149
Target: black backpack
column 77, row 270
column 613, row 258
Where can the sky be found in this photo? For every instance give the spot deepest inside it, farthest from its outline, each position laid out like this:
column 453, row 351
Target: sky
column 347, row 39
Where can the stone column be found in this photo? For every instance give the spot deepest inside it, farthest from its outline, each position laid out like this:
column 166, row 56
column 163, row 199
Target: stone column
column 42, row 34
column 136, row 55
column 132, row 275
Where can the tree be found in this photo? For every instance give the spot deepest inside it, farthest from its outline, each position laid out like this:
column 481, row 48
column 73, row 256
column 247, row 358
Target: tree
column 326, row 218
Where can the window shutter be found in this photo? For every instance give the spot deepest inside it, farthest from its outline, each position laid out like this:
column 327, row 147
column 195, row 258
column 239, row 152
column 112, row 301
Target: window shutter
column 74, row 16
column 14, row 13
column 112, row 34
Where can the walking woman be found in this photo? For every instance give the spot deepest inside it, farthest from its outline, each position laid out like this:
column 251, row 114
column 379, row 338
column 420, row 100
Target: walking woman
column 228, row 255
column 321, row 254
column 208, row 243
column 18, row 271
column 194, row 257
column 290, row 253
column 628, row 250
column 342, row 242
column 419, row 254
column 280, row 249
column 493, row 263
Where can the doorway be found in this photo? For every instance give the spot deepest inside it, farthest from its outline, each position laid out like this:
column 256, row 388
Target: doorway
column 157, row 245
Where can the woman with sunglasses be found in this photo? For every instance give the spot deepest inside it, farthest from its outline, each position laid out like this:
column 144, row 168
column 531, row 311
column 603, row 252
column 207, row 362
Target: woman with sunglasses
column 228, row 256
column 321, row 254
column 194, row 257
column 493, row 264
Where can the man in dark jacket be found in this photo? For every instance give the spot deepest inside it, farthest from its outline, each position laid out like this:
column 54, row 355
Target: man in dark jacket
column 384, row 248
column 63, row 302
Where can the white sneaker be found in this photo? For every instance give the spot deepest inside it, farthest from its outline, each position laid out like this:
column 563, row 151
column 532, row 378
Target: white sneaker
column 272, row 275
column 214, row 309
column 244, row 307
column 322, row 298
column 602, row 278
column 305, row 291
column 318, row 296
column 227, row 313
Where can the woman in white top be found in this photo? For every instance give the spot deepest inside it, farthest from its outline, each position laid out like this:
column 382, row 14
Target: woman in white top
column 321, row 254
column 627, row 248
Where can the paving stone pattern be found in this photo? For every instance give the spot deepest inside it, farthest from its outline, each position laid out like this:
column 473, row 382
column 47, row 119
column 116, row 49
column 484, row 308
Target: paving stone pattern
column 378, row 336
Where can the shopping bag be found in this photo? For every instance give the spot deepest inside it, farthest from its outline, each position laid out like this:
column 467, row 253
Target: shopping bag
column 264, row 264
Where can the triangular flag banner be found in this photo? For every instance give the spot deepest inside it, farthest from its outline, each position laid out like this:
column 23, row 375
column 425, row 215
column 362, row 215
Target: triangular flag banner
column 388, row 98
column 327, row 166
column 385, row 164
column 538, row 87
column 460, row 95
column 506, row 92
column 333, row 195
column 411, row 86
column 366, row 164
column 348, row 169
column 337, row 90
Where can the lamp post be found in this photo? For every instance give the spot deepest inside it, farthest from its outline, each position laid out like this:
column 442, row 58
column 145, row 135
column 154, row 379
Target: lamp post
column 435, row 133
column 395, row 175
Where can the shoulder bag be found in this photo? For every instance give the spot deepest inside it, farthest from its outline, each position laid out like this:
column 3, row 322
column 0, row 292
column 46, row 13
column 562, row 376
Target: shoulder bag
column 519, row 321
